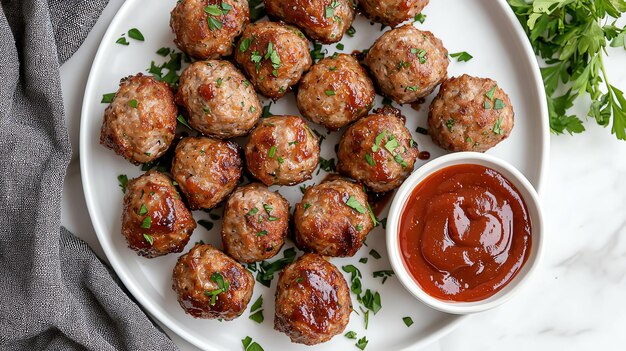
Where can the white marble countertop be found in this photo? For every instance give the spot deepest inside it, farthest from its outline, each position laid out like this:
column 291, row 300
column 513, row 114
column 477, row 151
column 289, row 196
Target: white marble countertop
column 575, row 301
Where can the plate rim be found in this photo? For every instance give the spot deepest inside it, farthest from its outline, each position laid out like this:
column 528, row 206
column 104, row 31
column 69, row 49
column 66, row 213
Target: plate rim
column 153, row 309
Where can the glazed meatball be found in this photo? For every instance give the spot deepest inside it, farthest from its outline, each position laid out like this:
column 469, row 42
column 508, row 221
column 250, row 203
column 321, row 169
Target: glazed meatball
column 322, row 20
column 335, row 92
column 255, row 224
column 392, row 12
column 282, row 150
column 206, row 29
column 332, row 219
column 274, row 56
column 378, row 150
column 218, row 98
column 140, row 122
column 407, row 63
column 312, row 301
column 470, row 114
column 155, row 221
column 207, row 170
column 210, row 284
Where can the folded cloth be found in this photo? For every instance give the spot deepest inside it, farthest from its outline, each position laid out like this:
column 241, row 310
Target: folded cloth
column 54, row 292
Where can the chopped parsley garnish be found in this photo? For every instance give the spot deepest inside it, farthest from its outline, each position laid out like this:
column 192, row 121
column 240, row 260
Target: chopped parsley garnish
column 267, row 270
column 215, row 11
column 403, row 64
column 256, row 58
column 133, row 103
column 249, row 345
column 219, row 82
column 371, row 301
column 330, row 92
column 257, row 311
column 486, row 105
column 122, row 41
column 183, row 121
column 268, row 208
column 363, row 260
column 172, row 65
column 340, row 46
column 361, row 343
column 450, row 124
column 307, row 205
column 383, row 274
column 262, row 233
column 107, row 98
column 206, row 224
column 356, row 205
column 378, row 140
column 327, row 165
column 350, row 335
column 222, row 286
column 143, row 210
column 266, row 110
column 419, row 18
column 244, row 44
column 411, row 88
column 408, row 321
column 498, row 105
column 422, row 131
column 383, row 223
column 497, row 128
column 392, row 143
column 358, row 229
column 421, row 54
column 351, row 31
column 272, row 55
column 370, row 160
column 122, row 179
column 303, row 188
column 163, row 51
column 330, row 9
column 149, row 238
column 257, row 10
column 462, row 56
column 398, row 158
column 252, row 212
column 272, row 151
column 375, row 254
column 136, row 34
column 146, row 223
column 490, row 93
column 318, row 52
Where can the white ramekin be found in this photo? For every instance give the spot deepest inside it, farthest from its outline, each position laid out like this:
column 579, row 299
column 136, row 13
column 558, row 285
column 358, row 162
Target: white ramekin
column 534, row 208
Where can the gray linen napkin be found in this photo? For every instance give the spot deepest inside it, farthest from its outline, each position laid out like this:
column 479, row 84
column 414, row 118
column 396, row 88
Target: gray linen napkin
column 54, row 292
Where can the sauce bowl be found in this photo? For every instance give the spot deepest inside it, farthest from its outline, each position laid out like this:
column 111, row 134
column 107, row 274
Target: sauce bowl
column 525, row 189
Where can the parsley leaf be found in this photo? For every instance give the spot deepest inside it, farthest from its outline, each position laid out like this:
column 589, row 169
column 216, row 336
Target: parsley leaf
column 462, row 56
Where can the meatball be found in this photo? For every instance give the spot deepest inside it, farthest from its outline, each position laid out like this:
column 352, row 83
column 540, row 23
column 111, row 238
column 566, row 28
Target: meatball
column 378, row 150
column 140, row 122
column 155, row 221
column 274, row 56
column 218, row 98
column 312, row 301
column 207, row 170
column 282, row 150
column 322, row 20
column 206, row 29
column 407, row 63
column 470, row 114
column 335, row 92
column 392, row 12
column 255, row 224
column 210, row 284
column 332, row 219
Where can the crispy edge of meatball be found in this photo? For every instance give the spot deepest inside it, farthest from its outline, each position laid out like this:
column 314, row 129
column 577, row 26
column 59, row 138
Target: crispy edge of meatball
column 171, row 223
column 297, row 324
column 197, row 303
column 331, row 233
column 276, row 230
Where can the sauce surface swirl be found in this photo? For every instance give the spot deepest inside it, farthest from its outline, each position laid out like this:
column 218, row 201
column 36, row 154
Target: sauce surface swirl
column 465, row 232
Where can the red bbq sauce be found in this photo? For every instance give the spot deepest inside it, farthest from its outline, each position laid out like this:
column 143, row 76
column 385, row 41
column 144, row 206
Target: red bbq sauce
column 465, row 232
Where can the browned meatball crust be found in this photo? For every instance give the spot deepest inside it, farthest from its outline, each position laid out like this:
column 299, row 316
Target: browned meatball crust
column 274, row 56
column 312, row 301
column 219, row 100
column 210, row 284
column 407, row 63
column 392, row 12
column 335, row 92
column 207, row 170
column 256, row 222
column 206, row 29
column 322, row 20
column 155, row 221
column 332, row 219
column 140, row 122
column 470, row 114
column 282, row 150
column 378, row 150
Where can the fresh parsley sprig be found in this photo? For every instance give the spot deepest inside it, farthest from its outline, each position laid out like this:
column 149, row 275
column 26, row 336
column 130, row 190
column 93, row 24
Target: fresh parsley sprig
column 571, row 36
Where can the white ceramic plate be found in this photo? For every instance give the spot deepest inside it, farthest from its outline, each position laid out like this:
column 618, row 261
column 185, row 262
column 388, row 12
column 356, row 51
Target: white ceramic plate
column 486, row 29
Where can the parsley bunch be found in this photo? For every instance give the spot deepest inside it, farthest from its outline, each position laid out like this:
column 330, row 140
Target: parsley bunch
column 571, row 36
